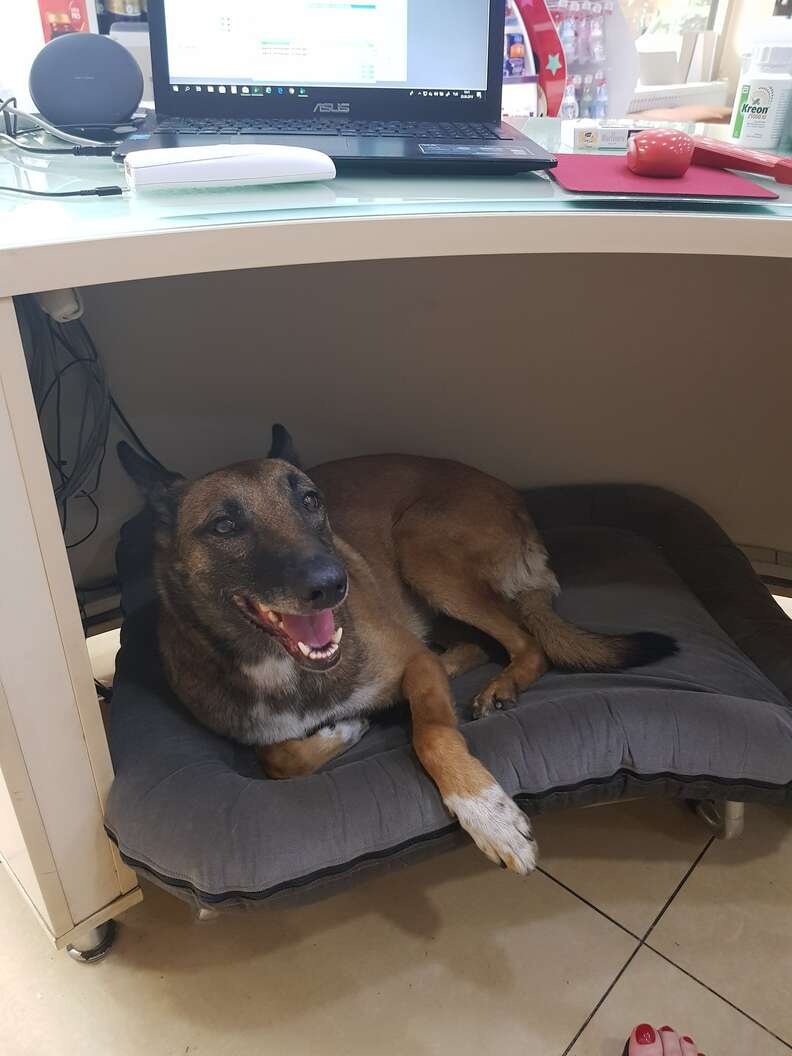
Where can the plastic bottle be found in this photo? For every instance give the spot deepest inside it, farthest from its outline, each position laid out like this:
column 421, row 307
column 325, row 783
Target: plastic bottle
column 566, row 33
column 587, row 97
column 583, row 32
column 764, row 96
column 597, row 35
column 111, row 11
column 574, row 14
column 516, row 55
column 599, row 108
column 569, row 104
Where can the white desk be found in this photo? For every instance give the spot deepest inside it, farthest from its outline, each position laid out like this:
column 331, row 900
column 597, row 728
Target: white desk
column 53, row 755
column 50, row 244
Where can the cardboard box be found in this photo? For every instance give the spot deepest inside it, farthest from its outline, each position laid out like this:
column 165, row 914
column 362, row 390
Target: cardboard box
column 595, row 136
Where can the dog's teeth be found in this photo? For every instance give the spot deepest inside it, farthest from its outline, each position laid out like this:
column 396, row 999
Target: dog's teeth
column 273, row 617
column 337, row 635
column 304, row 649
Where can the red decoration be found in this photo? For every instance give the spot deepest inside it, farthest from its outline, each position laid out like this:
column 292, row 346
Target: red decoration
column 548, row 52
column 663, row 152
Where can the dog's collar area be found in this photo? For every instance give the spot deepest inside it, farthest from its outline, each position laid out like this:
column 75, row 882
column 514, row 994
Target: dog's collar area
column 312, row 639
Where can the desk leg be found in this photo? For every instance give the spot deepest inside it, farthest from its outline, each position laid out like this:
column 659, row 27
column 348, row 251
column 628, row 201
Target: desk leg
column 55, row 767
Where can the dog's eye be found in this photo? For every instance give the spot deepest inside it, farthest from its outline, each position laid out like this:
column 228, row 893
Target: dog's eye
column 224, row 526
column 311, row 501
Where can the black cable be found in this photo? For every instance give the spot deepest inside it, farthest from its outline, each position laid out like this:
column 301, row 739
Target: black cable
column 59, row 430
column 99, row 192
column 57, row 379
column 11, row 121
column 86, row 336
column 66, row 371
column 94, row 526
column 126, row 423
column 75, row 151
column 37, row 150
column 114, row 404
column 96, row 395
column 74, row 457
column 9, row 118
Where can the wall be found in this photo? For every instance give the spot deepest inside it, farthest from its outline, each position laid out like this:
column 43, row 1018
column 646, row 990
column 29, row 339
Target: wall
column 669, row 370
column 19, row 46
column 742, row 18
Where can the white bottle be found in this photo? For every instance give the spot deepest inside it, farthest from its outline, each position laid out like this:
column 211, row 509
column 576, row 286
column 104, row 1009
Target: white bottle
column 599, row 107
column 582, row 32
column 569, row 104
column 566, row 34
column 587, row 97
column 763, row 98
column 597, row 35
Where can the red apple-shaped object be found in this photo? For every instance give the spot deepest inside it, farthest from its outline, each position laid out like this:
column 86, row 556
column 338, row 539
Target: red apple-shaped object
column 663, row 152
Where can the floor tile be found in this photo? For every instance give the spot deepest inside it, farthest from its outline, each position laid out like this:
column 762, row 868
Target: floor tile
column 448, row 956
column 625, row 858
column 731, row 925
column 653, row 991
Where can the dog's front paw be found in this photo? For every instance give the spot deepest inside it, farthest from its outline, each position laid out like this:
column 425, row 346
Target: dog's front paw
column 498, row 827
column 500, row 695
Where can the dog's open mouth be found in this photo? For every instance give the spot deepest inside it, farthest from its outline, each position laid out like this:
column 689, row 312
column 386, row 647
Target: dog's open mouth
column 311, row 638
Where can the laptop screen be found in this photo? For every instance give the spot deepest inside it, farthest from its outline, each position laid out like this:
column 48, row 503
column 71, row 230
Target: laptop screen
column 289, row 47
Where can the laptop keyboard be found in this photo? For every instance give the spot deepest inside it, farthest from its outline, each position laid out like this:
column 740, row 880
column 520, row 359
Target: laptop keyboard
column 425, row 130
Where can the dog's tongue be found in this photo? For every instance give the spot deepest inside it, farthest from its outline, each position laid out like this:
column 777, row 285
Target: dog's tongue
column 314, row 628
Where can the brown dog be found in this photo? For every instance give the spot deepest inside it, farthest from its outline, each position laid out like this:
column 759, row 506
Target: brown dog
column 257, row 591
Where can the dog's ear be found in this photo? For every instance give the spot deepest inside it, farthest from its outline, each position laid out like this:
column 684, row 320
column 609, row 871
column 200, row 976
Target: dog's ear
column 160, row 487
column 283, row 446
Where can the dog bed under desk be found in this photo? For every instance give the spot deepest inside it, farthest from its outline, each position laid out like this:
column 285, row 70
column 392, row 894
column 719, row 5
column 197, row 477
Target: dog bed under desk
column 191, row 810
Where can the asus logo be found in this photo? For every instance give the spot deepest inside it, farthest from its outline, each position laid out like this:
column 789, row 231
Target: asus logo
column 331, row 108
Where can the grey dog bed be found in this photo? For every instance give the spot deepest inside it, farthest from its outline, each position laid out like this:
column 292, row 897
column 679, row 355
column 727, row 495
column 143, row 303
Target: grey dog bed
column 192, row 811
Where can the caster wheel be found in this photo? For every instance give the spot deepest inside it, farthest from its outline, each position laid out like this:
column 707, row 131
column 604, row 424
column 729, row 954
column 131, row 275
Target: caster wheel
column 95, row 945
column 725, row 819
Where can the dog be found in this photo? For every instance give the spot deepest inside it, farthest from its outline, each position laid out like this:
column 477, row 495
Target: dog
column 294, row 606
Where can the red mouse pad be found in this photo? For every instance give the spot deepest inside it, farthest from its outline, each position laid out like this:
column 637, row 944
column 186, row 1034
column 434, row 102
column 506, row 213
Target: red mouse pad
column 603, row 174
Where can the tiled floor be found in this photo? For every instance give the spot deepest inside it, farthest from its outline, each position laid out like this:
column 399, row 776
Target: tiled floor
column 637, row 915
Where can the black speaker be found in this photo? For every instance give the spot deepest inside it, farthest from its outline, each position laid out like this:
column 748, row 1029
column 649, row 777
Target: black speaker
column 85, row 79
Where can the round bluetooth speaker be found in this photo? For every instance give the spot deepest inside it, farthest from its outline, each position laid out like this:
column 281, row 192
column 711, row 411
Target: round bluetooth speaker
column 85, row 79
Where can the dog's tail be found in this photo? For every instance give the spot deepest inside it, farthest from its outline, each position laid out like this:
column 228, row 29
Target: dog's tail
column 574, row 649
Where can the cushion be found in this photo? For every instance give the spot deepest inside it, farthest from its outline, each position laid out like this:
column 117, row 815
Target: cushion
column 192, row 810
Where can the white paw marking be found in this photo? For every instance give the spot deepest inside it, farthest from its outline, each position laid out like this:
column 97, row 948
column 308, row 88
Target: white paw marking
column 498, row 827
column 349, row 731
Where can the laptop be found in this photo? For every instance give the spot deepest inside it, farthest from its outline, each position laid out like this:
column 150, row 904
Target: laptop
column 402, row 85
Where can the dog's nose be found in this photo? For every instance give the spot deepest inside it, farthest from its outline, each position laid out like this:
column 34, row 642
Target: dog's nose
column 324, row 583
